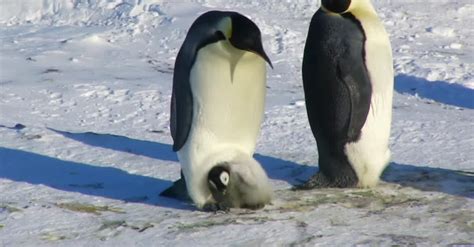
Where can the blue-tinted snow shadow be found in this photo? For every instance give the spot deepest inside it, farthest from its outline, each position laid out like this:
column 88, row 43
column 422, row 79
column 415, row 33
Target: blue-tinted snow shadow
column 285, row 170
column 440, row 91
column 453, row 182
column 154, row 150
column 276, row 168
column 107, row 182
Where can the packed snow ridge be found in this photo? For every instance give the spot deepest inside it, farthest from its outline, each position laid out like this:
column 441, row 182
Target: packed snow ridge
column 60, row 12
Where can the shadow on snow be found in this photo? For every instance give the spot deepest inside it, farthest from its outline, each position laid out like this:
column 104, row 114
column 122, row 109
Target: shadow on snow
column 440, row 91
column 114, row 183
column 453, row 182
column 108, row 182
column 276, row 168
column 154, row 150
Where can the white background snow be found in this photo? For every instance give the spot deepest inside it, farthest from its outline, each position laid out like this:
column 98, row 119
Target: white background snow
column 85, row 145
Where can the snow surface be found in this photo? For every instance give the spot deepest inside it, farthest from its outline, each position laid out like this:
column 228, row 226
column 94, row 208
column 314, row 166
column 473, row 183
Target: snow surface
column 85, row 145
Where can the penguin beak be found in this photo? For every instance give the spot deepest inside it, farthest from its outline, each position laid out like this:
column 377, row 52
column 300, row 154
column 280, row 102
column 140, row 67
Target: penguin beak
column 258, row 49
column 262, row 54
column 259, row 52
column 251, row 46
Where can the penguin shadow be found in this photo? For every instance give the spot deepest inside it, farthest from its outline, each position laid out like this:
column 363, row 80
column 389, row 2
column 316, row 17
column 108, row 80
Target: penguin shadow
column 440, row 91
column 87, row 179
column 154, row 150
column 453, row 182
column 276, row 168
column 284, row 170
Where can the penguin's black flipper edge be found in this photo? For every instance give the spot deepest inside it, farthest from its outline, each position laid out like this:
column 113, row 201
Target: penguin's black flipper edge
column 357, row 83
column 181, row 112
column 177, row 191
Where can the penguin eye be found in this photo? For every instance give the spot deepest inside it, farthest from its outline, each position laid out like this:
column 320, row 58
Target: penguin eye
column 220, row 35
column 224, row 177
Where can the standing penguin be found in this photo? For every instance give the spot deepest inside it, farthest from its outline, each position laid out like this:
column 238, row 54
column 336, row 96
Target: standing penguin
column 348, row 85
column 217, row 107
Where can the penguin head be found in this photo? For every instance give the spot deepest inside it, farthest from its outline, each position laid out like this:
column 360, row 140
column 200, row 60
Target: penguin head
column 238, row 30
column 246, row 36
column 218, row 179
column 239, row 184
column 336, row 6
column 344, row 6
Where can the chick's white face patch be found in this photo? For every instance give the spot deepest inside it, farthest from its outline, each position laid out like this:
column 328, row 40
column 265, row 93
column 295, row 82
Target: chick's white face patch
column 224, row 177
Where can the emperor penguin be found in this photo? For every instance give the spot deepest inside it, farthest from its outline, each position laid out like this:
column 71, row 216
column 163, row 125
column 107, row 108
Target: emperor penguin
column 217, row 106
column 348, row 85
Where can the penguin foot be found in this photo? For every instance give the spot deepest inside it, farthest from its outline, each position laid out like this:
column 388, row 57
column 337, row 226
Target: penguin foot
column 254, row 206
column 177, row 191
column 216, row 208
column 319, row 180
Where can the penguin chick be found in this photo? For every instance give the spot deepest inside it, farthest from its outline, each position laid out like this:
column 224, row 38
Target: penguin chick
column 239, row 185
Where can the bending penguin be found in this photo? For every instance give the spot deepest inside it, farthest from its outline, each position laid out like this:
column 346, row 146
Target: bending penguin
column 217, row 107
column 348, row 85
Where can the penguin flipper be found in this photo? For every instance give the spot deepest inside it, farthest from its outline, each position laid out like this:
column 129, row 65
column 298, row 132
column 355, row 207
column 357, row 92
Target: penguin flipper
column 181, row 112
column 177, row 191
column 358, row 86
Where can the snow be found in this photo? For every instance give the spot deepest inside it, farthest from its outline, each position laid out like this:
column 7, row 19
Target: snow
column 85, row 145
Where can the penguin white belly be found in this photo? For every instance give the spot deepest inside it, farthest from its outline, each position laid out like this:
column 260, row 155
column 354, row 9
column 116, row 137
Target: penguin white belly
column 371, row 154
column 228, row 109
